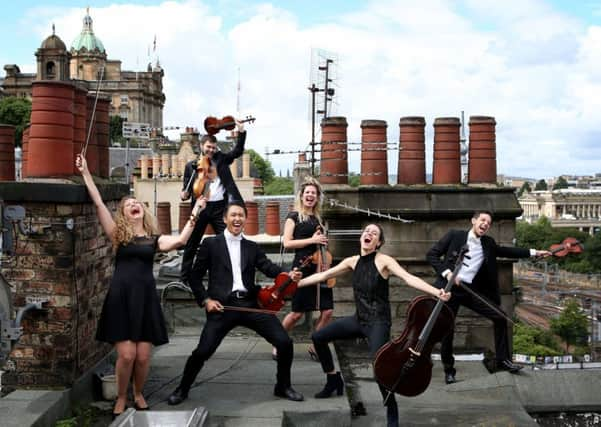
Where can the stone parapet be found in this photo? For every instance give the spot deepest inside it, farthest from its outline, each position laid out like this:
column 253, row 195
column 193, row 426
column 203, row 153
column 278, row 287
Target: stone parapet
column 68, row 260
column 434, row 210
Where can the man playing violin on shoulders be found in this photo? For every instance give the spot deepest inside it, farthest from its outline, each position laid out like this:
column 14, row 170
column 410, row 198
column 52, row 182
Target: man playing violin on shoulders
column 478, row 274
column 222, row 190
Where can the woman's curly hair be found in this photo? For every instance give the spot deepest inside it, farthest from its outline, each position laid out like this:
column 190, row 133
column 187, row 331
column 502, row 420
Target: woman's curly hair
column 124, row 231
column 298, row 200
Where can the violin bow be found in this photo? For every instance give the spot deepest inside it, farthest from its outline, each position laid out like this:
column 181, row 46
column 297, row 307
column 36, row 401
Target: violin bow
column 485, row 301
column 84, row 149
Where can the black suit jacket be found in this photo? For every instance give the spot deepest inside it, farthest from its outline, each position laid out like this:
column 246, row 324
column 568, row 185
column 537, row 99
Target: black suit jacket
column 443, row 255
column 214, row 256
column 222, row 162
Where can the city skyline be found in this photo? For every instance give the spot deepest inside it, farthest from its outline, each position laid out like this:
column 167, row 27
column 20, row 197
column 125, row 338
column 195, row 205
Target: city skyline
column 531, row 65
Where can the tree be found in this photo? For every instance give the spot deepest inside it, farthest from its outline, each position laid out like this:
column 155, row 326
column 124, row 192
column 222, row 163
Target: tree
column 534, row 341
column 560, row 183
column 116, row 129
column 354, row 179
column 264, row 169
column 571, row 325
column 17, row 112
column 525, row 188
column 279, row 186
column 541, row 185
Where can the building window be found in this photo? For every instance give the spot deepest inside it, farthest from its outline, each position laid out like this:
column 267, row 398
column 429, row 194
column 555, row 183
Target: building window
column 50, row 70
column 124, row 99
column 123, row 114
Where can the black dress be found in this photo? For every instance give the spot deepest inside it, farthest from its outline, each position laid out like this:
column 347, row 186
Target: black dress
column 132, row 310
column 305, row 299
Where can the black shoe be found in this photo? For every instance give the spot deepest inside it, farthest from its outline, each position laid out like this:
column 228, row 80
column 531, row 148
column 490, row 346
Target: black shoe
column 508, row 365
column 449, row 378
column 334, row 384
column 288, row 393
column 177, row 397
column 140, row 408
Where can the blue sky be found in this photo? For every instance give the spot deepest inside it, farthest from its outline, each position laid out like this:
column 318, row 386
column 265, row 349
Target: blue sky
column 533, row 64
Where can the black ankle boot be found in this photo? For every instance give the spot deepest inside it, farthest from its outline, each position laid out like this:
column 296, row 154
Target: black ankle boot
column 392, row 415
column 334, row 383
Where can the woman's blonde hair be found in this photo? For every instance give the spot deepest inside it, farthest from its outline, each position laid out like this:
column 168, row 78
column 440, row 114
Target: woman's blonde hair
column 124, row 231
column 298, row 200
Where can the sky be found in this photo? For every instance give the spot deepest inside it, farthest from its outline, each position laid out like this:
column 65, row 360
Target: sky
column 534, row 65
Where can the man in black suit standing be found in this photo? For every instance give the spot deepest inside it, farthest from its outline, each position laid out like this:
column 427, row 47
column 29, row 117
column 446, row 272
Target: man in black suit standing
column 222, row 190
column 478, row 272
column 231, row 261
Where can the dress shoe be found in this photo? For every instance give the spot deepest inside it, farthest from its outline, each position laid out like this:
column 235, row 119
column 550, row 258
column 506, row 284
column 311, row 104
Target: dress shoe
column 449, row 378
column 508, row 365
column 177, row 397
column 288, row 393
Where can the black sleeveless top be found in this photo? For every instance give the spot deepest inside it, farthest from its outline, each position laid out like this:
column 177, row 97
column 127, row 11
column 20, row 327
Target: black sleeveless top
column 371, row 291
column 303, row 230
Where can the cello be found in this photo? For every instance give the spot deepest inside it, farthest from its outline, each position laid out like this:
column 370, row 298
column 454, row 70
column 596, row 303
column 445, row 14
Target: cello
column 213, row 125
column 404, row 364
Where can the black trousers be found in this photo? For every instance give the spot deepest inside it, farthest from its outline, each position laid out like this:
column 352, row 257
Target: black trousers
column 377, row 334
column 212, row 214
column 220, row 323
column 459, row 298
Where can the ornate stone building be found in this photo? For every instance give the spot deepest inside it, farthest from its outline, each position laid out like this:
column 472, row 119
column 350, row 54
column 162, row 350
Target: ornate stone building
column 135, row 95
column 566, row 203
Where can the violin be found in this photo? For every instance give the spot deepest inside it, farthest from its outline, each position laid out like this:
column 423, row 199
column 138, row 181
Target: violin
column 404, row 364
column 322, row 258
column 567, row 246
column 213, row 125
column 204, row 174
column 272, row 297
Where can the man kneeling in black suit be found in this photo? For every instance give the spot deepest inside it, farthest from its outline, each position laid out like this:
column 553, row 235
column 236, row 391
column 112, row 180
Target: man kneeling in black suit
column 479, row 273
column 231, row 261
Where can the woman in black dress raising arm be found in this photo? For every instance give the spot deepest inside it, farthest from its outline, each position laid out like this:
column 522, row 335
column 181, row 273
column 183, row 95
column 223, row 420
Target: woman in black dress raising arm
column 303, row 233
column 131, row 318
column 372, row 320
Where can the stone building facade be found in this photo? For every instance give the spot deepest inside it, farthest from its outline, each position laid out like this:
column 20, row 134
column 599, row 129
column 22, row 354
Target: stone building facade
column 135, row 95
column 567, row 203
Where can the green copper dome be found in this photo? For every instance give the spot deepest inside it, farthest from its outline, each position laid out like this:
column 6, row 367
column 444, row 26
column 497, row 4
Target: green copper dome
column 86, row 39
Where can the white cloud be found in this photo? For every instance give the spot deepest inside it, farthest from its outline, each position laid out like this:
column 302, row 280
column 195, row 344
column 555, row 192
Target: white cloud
column 533, row 68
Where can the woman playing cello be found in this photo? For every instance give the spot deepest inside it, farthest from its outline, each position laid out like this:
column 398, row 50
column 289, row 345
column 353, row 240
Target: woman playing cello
column 372, row 320
column 302, row 232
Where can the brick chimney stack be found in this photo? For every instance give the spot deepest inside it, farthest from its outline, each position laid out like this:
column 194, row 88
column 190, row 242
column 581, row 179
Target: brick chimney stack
column 412, row 149
column 374, row 157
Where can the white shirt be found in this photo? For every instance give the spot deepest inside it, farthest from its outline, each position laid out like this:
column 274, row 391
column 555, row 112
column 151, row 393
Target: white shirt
column 473, row 259
column 216, row 190
column 233, row 247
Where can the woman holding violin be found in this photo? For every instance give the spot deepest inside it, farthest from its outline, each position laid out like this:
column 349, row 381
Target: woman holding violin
column 210, row 176
column 303, row 232
column 372, row 320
